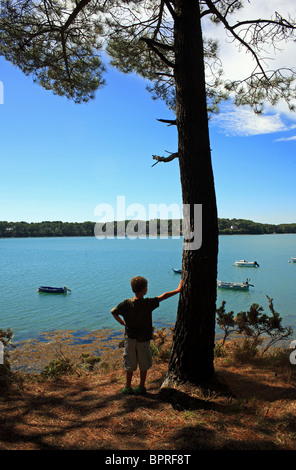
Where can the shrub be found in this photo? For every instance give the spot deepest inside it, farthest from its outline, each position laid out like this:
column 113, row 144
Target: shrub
column 88, row 361
column 225, row 321
column 219, row 349
column 254, row 325
column 243, row 351
column 63, row 365
column 6, row 336
column 57, row 367
column 161, row 344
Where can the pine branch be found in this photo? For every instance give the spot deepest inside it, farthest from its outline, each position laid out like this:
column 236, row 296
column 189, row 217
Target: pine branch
column 152, row 45
column 66, row 61
column 170, row 8
column 75, row 12
column 159, row 19
column 165, row 159
column 280, row 22
column 170, row 122
column 229, row 28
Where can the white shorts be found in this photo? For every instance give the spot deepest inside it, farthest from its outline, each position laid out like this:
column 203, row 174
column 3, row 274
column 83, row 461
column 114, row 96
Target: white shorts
column 136, row 352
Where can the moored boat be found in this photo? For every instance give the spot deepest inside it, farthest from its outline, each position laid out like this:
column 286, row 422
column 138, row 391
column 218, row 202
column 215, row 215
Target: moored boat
column 235, row 285
column 53, row 290
column 248, row 264
column 177, row 271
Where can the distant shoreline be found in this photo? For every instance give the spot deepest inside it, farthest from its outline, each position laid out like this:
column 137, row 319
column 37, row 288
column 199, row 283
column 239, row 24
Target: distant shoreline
column 174, row 228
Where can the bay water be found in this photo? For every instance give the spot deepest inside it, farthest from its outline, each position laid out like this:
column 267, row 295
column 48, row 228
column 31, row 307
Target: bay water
column 98, row 272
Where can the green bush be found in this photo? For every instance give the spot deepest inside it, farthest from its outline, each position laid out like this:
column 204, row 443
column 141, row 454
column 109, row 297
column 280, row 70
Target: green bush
column 57, row 367
column 88, row 361
column 6, row 336
column 243, row 351
column 254, row 325
column 63, row 366
column 219, row 349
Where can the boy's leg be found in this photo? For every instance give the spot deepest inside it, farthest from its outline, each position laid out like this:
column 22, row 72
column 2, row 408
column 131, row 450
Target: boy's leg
column 145, row 362
column 143, row 375
column 144, row 357
column 130, row 363
column 140, row 389
column 129, row 376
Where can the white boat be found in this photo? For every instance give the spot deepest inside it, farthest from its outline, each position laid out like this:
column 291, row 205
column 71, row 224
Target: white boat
column 292, row 260
column 235, row 285
column 248, row 264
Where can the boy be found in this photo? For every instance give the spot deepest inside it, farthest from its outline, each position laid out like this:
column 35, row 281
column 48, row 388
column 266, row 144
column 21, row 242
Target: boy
column 137, row 319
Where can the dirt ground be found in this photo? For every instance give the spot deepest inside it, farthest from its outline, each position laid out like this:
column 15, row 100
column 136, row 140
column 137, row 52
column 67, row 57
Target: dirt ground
column 85, row 410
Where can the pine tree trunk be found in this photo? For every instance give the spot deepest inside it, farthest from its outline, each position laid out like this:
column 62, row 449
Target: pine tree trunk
column 193, row 347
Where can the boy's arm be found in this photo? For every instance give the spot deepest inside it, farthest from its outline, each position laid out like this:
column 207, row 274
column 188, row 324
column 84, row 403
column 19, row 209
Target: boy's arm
column 117, row 318
column 116, row 311
column 166, row 295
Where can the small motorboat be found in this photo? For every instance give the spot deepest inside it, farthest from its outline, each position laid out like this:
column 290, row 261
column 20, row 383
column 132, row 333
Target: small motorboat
column 53, row 290
column 235, row 285
column 292, row 260
column 177, row 271
column 248, row 264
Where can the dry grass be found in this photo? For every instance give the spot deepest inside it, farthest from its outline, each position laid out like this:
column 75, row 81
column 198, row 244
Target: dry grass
column 86, row 410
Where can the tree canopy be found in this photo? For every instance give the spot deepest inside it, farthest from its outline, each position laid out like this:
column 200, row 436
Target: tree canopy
column 63, row 44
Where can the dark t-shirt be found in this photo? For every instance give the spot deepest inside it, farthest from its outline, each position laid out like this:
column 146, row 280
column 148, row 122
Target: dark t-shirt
column 137, row 314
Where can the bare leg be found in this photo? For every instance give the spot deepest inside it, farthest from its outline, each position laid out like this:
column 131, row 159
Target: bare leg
column 129, row 376
column 143, row 374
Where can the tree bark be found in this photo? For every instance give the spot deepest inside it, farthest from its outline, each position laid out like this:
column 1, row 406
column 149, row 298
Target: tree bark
column 193, row 346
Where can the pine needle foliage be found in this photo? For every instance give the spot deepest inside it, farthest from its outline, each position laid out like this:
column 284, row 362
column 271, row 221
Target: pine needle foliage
column 62, row 44
column 255, row 326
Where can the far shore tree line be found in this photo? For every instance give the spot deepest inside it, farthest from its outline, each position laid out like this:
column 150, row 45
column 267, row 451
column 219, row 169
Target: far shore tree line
column 81, row 229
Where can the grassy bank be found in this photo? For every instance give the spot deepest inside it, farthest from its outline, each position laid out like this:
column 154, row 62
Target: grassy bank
column 81, row 406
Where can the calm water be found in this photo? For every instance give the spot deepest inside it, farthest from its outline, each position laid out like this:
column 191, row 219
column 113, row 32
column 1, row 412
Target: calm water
column 98, row 274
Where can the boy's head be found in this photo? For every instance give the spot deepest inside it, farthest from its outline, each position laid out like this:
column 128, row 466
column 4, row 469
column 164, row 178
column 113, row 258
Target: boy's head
column 138, row 284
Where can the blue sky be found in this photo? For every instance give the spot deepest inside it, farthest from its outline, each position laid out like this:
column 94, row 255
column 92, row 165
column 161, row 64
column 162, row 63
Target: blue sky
column 59, row 160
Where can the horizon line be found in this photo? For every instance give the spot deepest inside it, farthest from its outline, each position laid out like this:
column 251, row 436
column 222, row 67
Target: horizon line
column 138, row 220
